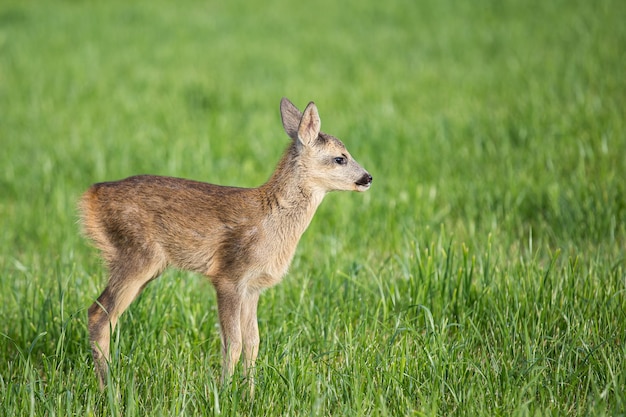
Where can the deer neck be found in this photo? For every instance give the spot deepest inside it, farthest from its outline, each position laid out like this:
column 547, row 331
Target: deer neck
column 288, row 193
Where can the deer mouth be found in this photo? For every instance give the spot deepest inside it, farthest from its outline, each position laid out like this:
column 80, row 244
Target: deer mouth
column 364, row 183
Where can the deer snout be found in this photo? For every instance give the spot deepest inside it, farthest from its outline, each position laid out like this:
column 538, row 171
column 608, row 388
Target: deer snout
column 364, row 182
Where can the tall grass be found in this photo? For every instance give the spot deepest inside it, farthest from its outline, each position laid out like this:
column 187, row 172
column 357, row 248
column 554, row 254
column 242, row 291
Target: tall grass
column 483, row 274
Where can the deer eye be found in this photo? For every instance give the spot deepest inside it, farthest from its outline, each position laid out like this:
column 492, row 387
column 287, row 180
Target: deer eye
column 341, row 160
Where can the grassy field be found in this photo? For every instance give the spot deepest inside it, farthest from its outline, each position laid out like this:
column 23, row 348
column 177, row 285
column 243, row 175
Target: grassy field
column 483, row 274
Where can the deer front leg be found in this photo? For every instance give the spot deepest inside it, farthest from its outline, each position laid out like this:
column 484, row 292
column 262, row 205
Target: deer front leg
column 229, row 310
column 250, row 334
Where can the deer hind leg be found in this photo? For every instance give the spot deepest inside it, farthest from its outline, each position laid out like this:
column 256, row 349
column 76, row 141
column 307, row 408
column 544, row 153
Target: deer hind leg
column 127, row 280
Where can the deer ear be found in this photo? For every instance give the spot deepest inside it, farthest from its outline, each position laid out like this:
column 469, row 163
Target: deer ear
column 290, row 116
column 310, row 124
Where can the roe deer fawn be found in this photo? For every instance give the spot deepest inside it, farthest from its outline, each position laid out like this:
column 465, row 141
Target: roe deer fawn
column 242, row 239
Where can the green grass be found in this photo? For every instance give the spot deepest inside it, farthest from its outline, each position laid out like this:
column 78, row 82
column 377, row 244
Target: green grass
column 483, row 274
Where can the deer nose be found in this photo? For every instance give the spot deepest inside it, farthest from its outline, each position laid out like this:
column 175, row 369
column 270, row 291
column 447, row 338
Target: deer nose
column 366, row 179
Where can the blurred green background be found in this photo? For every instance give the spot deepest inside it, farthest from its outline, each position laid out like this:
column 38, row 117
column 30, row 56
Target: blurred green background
column 494, row 130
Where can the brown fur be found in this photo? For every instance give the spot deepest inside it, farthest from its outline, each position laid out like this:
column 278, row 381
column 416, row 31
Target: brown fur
column 243, row 239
